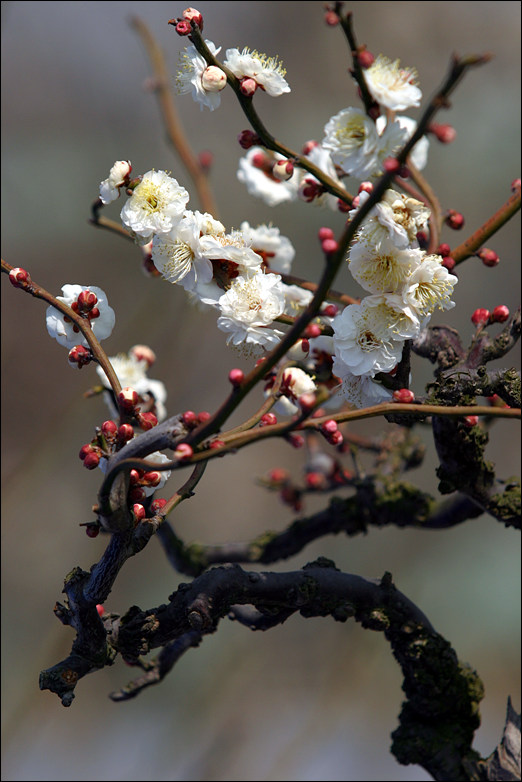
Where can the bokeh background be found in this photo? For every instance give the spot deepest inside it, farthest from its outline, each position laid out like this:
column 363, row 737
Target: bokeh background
column 312, row 700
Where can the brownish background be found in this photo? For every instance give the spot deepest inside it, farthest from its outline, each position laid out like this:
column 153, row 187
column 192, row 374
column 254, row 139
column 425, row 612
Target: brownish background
column 311, row 700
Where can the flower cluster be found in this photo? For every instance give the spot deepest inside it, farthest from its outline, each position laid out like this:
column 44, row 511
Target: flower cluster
column 406, row 286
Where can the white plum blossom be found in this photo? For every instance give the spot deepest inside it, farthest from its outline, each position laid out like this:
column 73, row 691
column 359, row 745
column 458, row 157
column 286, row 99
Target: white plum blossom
column 355, row 144
column 249, row 307
column 430, row 287
column 392, row 86
column 369, row 336
column 155, row 207
column 397, row 218
column 419, row 154
column 65, row 332
column 359, row 390
column 233, row 247
column 276, row 251
column 383, row 268
column 179, row 254
column 267, row 72
column 110, row 187
column 296, row 299
column 261, row 184
column 132, row 371
column 295, row 383
column 191, row 77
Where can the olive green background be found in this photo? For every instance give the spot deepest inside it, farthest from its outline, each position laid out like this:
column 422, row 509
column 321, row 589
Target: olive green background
column 313, row 699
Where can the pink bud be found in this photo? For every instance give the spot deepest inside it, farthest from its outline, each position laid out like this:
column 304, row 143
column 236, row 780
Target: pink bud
column 325, row 233
column 236, row 377
column 443, row 249
column 91, row 460
column 365, row 58
column 151, row 478
column 488, row 257
column 391, row 165
column 443, row 133
column 203, row 416
column 329, row 246
column 134, row 477
column 247, row 139
column 206, row 159
column 331, row 18
column 182, row 27
column 314, row 480
column 330, row 311
column 312, row 331
column 449, row 263
column 500, row 314
column 193, row 15
column 79, row 356
column 515, row 185
column 183, row 452
column 139, row 511
column 109, row 429
column 100, row 609
column 213, row 79
column 283, row 170
column 143, row 353
column 471, row 420
column 307, row 402
column 342, row 206
column 19, row 277
column 136, row 494
column 454, row 220
column 365, row 187
column 268, row 419
column 215, row 444
column 309, row 189
column 480, row 316
column 92, row 530
column 157, row 505
column 278, row 475
column 128, row 399
column 190, row 419
column 308, row 146
column 403, row 395
column 329, row 426
column 335, row 438
column 147, row 421
column 125, row 432
column 248, row 86
column 295, row 440
column 84, row 450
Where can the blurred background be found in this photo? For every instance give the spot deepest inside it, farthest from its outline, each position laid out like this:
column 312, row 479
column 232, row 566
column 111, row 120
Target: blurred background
column 314, row 699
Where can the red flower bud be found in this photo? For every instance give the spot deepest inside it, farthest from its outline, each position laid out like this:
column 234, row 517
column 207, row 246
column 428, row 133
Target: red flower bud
column 329, row 426
column 248, row 86
column 296, row 440
column 91, row 460
column 500, row 314
column 128, row 399
column 325, row 233
column 236, row 377
column 147, row 421
column 157, row 505
column 342, row 206
column 443, row 249
column 488, row 257
column 203, row 416
column 480, row 316
column 329, row 246
column 125, row 432
column 307, row 402
column 139, row 511
column 79, row 356
column 109, row 429
column 443, row 133
column 449, row 263
column 314, row 480
column 183, row 452
column 278, row 475
column 331, row 18
column 403, row 395
column 454, row 220
column 391, row 165
column 268, row 419
column 190, row 419
column 92, row 530
column 247, row 139
column 100, row 609
column 471, row 420
column 19, row 277
column 312, row 330
column 365, row 58
column 283, row 170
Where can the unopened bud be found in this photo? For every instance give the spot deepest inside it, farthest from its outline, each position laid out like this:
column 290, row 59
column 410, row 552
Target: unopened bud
column 443, row 133
column 391, row 165
column 91, row 460
column 454, row 220
column 299, row 351
column 79, row 356
column 330, row 311
column 365, row 187
column 471, row 420
column 213, row 79
column 365, row 58
column 109, row 429
column 449, row 263
column 236, row 377
column 488, row 257
column 283, row 170
column 278, row 475
column 309, row 189
column 443, row 249
column 125, row 432
column 193, row 15
column 143, row 353
column 480, row 316
column 128, row 399
column 500, row 314
column 147, row 421
column 329, row 246
column 189, row 419
column 403, row 395
column 342, row 206
column 312, row 331
column 183, row 452
column 19, row 277
column 203, row 416
column 314, row 480
column 308, row 146
column 139, row 511
column 87, row 300
column 268, row 419
column 325, row 233
column 307, row 402
column 248, row 86
column 157, row 505
column 515, row 185
column 331, row 18
column 295, row 440
column 329, row 426
column 247, row 139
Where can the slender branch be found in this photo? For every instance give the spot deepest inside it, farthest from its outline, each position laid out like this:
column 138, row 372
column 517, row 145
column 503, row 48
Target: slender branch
column 474, row 242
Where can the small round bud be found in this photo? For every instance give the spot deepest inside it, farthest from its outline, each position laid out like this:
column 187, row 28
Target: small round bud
column 182, row 26
column 183, row 452
column 247, row 139
column 100, row 609
column 295, row 440
column 236, row 377
column 515, row 185
column 91, row 460
column 329, row 426
column 314, row 480
column 446, row 134
column 335, row 438
column 331, row 18
column 128, row 399
column 480, row 316
column 365, row 187
column 87, row 300
column 283, row 170
column 449, row 263
column 19, row 277
column 500, row 314
column 268, row 419
column 79, row 356
column 213, row 79
column 92, row 530
column 143, row 353
column 109, row 429
column 151, row 478
column 309, row 189
column 278, row 475
column 206, row 160
column 215, row 444
column 84, row 450
column 203, row 416
column 157, row 505
column 308, row 146
column 404, row 396
column 365, row 58
column 443, row 249
column 134, row 477
column 189, row 419
column 471, row 420
column 137, row 494
column 391, row 165
column 139, row 511
column 312, row 331
column 147, row 421
column 454, row 220
column 248, row 86
column 125, row 432
column 330, row 311
column 325, row 233
column 488, row 257
column 193, row 15
column 307, row 402
column 329, row 246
